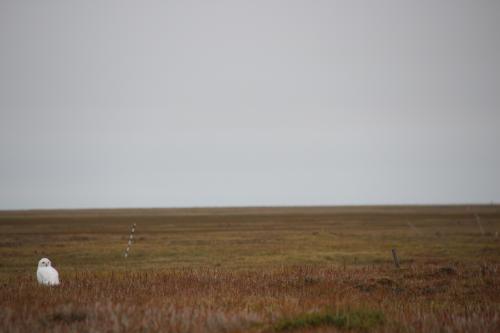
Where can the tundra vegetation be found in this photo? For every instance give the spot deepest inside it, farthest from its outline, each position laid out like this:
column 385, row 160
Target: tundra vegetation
column 316, row 269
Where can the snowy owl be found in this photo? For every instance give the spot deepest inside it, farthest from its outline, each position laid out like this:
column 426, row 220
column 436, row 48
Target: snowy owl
column 46, row 274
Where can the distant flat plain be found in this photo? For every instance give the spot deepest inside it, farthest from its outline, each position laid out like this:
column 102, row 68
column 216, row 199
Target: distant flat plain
column 254, row 269
column 247, row 238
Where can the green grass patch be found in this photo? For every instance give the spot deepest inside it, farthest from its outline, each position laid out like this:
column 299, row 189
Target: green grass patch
column 354, row 319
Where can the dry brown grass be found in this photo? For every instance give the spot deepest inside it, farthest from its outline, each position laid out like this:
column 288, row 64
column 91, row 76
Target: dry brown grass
column 418, row 298
column 249, row 270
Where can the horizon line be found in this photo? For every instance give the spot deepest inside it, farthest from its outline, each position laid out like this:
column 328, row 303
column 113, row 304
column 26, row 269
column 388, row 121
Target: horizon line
column 370, row 205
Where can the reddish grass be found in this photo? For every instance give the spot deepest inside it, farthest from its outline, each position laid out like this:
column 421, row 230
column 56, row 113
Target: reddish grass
column 419, row 298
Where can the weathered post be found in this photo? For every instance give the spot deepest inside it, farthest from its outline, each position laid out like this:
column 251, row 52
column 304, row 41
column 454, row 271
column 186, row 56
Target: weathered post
column 395, row 257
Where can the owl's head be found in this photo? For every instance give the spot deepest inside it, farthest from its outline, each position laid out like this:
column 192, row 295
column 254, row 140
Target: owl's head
column 44, row 262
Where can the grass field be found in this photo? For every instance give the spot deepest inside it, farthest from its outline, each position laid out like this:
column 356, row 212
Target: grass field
column 254, row 269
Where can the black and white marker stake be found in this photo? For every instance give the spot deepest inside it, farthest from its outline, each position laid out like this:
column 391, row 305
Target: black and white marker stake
column 130, row 239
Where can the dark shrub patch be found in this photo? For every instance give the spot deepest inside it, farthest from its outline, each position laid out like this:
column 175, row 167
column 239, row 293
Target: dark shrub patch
column 357, row 319
column 447, row 271
column 68, row 317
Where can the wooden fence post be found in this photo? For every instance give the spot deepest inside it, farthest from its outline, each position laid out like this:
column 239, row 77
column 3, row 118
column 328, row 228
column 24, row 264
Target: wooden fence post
column 395, row 257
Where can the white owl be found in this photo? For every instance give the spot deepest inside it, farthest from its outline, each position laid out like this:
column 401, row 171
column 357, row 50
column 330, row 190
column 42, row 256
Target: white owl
column 46, row 274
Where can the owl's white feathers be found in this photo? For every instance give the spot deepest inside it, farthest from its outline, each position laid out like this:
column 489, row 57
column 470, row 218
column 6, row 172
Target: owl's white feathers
column 46, row 274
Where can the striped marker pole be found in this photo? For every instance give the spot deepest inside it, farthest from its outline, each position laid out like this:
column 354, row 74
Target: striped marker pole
column 130, row 239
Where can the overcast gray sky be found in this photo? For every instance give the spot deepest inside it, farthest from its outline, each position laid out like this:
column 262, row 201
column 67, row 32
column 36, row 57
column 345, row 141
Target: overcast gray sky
column 218, row 103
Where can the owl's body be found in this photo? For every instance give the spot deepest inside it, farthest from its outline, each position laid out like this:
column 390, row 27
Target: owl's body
column 46, row 274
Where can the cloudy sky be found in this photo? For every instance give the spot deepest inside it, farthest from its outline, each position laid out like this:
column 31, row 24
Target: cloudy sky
column 222, row 103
